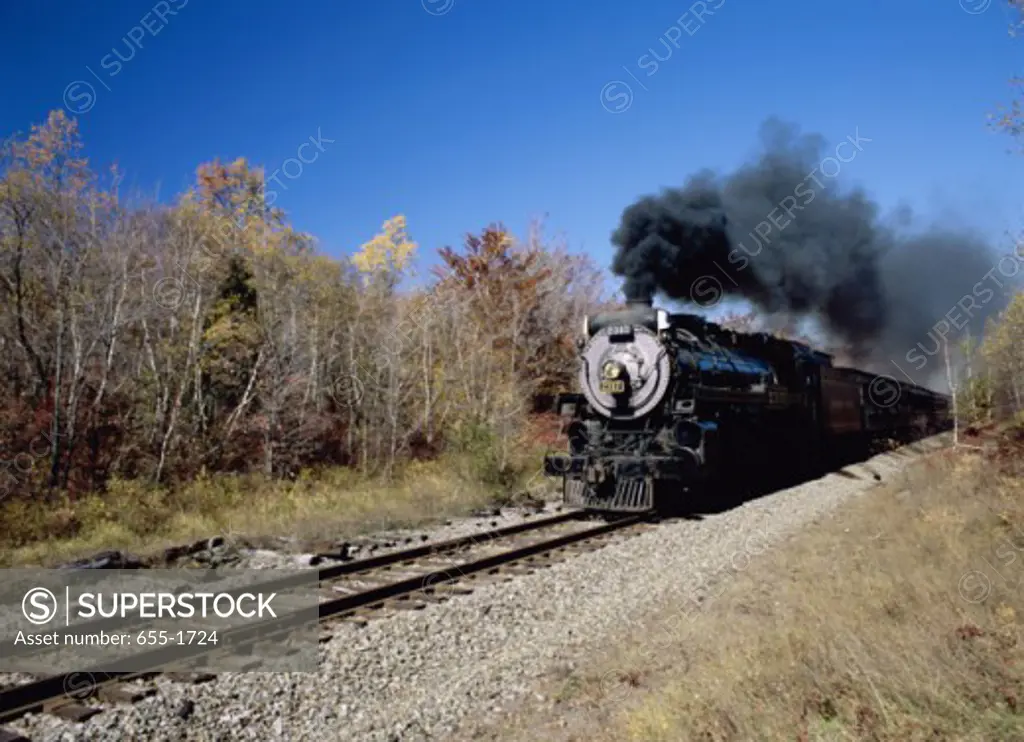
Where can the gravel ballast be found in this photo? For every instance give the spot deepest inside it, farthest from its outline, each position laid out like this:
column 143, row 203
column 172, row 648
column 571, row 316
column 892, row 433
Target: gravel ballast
column 424, row 674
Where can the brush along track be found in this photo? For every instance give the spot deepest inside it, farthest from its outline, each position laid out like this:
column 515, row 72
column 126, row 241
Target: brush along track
column 366, row 585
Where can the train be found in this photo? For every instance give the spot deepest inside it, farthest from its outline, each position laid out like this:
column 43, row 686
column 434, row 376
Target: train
column 673, row 407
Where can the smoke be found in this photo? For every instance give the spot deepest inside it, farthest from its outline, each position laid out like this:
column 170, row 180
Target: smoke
column 780, row 233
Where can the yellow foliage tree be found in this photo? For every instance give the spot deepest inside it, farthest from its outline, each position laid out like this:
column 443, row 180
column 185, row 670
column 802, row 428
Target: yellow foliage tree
column 1003, row 350
column 234, row 191
column 52, row 155
column 388, row 253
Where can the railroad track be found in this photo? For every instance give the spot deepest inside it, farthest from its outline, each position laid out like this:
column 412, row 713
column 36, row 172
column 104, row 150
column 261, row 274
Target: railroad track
column 355, row 591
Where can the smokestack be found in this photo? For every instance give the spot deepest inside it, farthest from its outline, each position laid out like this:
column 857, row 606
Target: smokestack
column 640, row 302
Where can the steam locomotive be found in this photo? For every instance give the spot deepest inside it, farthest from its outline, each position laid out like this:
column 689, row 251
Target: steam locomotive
column 674, row 405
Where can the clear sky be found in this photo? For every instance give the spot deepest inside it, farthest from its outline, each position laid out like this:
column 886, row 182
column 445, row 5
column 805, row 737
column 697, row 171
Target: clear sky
column 458, row 113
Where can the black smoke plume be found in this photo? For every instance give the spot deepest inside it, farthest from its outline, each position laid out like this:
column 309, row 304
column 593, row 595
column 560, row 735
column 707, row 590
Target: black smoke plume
column 780, row 233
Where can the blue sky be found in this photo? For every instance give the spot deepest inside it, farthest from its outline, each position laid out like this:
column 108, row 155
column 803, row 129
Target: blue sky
column 458, row 113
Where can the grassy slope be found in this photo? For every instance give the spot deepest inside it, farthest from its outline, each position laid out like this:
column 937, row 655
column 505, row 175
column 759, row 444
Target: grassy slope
column 898, row 620
column 327, row 506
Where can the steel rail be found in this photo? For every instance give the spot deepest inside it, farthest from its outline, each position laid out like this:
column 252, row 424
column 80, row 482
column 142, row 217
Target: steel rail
column 35, row 696
column 9, row 649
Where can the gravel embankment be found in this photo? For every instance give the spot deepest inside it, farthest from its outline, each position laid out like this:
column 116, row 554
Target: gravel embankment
column 421, row 675
column 228, row 555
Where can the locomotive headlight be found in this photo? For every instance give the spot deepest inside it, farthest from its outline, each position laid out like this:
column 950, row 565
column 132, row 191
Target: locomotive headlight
column 614, row 379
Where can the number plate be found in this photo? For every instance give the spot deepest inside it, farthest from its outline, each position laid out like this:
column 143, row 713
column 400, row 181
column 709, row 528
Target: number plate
column 617, row 386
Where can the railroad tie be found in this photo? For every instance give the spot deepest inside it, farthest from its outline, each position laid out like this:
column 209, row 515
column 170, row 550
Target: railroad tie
column 400, row 576
column 237, row 664
column 73, row 711
column 7, row 735
column 452, row 589
column 192, row 678
column 344, row 589
column 429, row 597
column 406, row 604
column 437, row 565
column 358, row 620
column 123, row 694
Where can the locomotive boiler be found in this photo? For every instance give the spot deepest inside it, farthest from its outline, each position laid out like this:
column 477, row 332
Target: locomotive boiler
column 672, row 405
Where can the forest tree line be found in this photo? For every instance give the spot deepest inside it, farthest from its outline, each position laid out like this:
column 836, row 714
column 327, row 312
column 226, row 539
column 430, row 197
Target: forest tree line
column 157, row 341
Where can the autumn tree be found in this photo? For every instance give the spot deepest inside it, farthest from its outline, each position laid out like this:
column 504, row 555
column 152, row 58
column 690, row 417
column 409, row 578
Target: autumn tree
column 381, row 365
column 532, row 296
column 1004, row 353
column 1011, row 118
column 520, row 306
column 46, row 249
column 1001, row 350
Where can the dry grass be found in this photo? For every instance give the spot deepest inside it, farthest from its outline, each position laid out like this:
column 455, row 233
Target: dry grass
column 901, row 620
column 322, row 507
